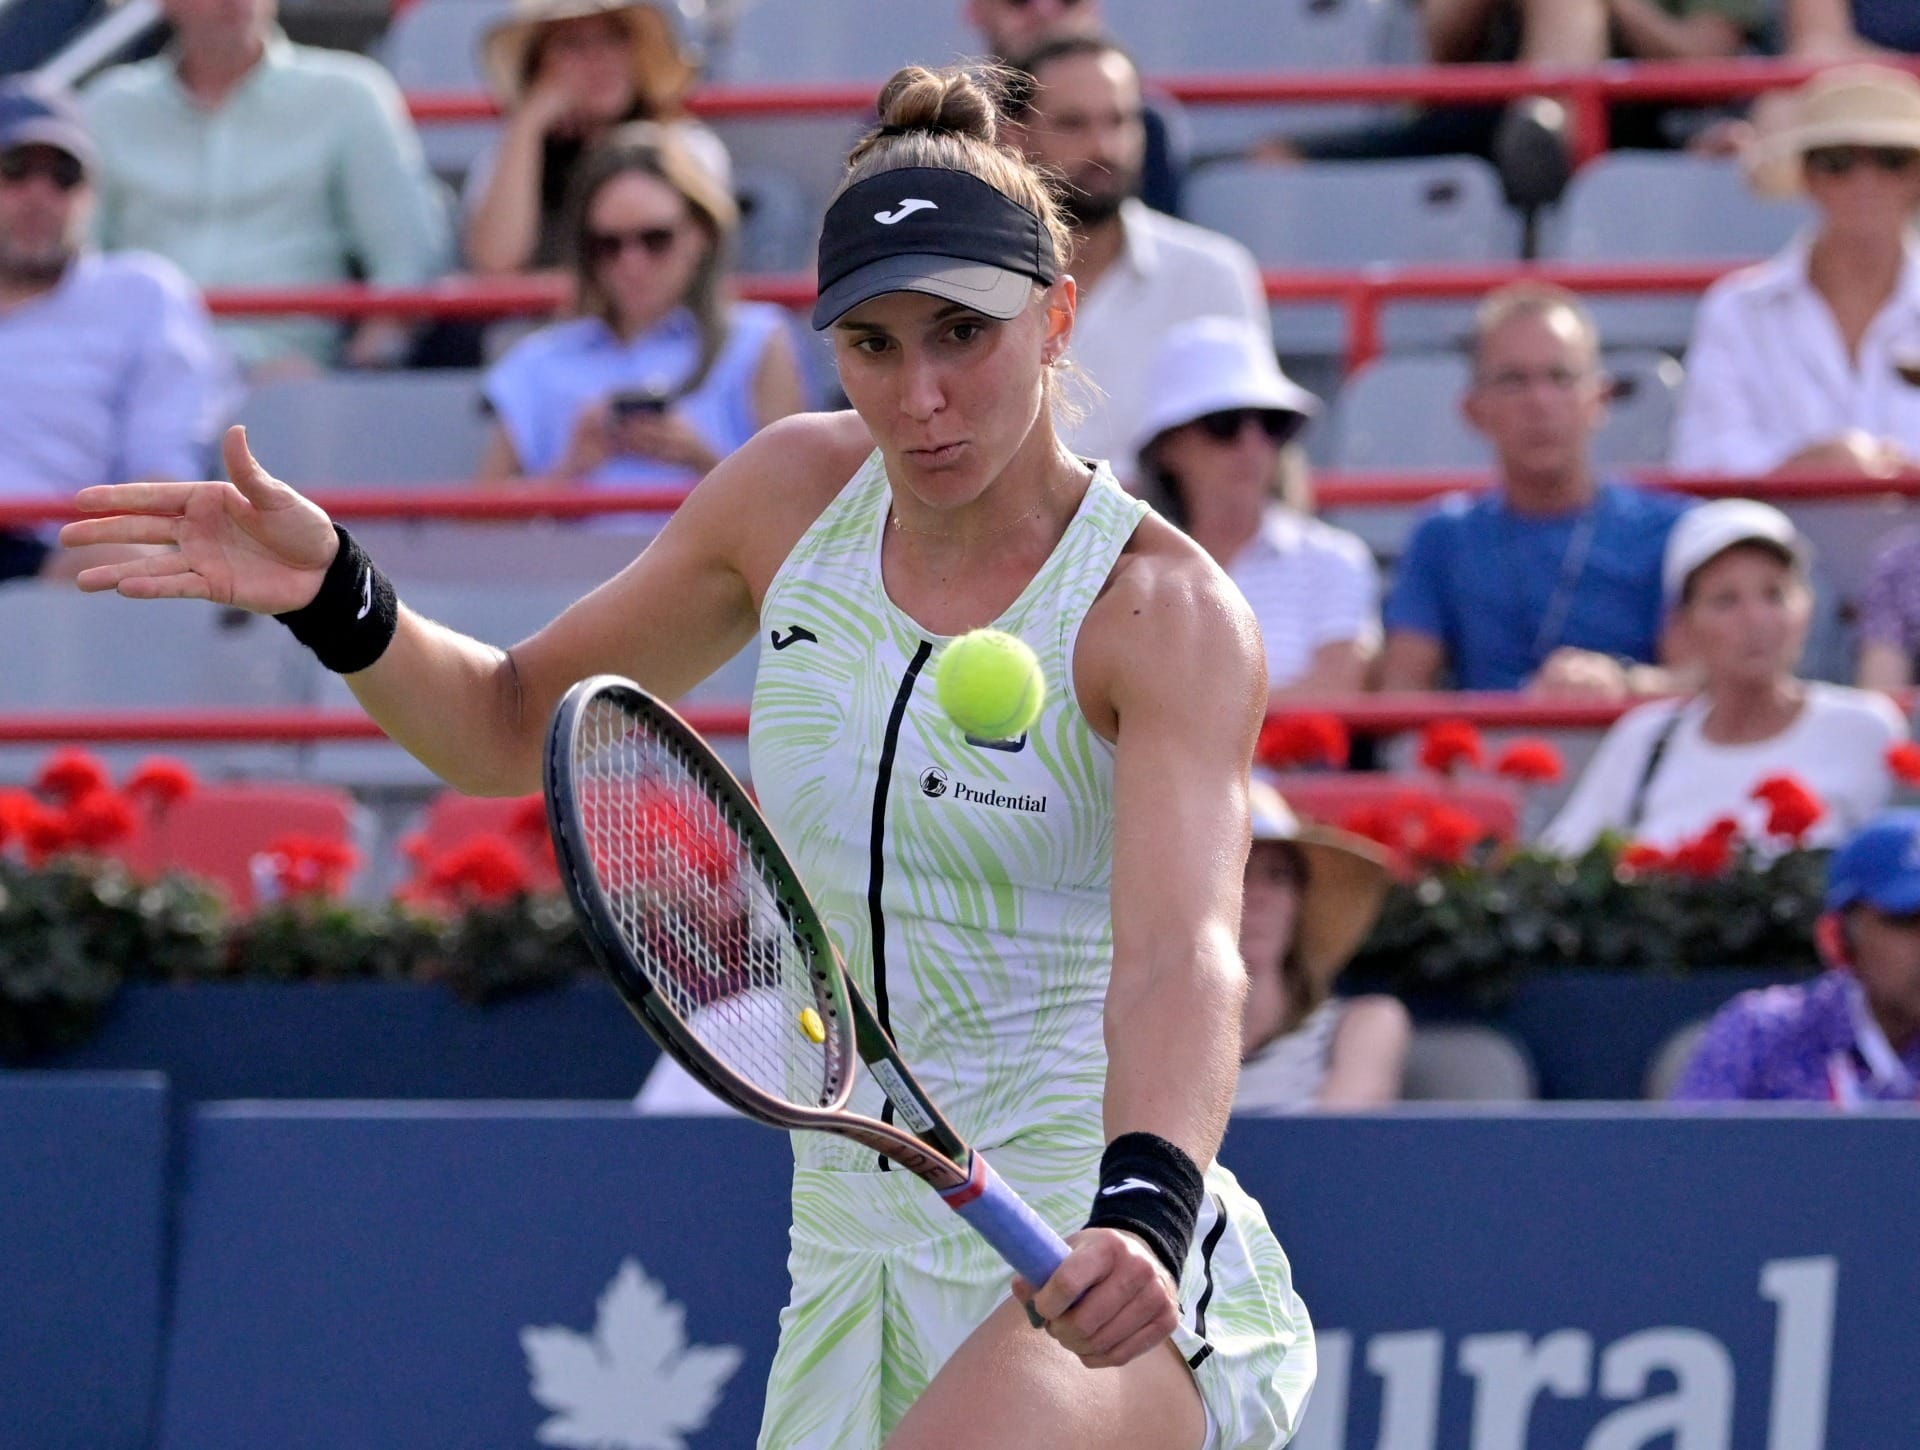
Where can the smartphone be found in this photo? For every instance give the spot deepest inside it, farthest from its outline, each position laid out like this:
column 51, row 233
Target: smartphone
column 630, row 402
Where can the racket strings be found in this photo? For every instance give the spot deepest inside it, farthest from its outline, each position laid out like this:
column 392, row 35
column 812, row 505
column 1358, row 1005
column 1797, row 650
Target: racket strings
column 698, row 909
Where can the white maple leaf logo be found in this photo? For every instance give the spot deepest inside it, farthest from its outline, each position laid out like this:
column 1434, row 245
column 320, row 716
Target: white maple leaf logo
column 634, row 1383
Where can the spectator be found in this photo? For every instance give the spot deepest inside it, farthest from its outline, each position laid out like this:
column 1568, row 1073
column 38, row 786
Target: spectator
column 1219, row 455
column 1809, row 360
column 1852, row 1035
column 1312, row 895
column 252, row 162
column 1851, row 29
column 1528, row 141
column 1890, row 618
column 1014, row 29
column 108, row 365
column 1735, row 578
column 660, row 377
column 565, row 73
column 1551, row 581
column 1078, row 113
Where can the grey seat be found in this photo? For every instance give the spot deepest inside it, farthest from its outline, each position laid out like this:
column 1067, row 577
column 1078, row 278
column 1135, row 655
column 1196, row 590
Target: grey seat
column 1464, row 1062
column 1657, row 206
column 779, row 224
column 786, row 42
column 369, row 428
column 1670, row 1060
column 1403, row 411
column 433, row 45
column 1346, row 214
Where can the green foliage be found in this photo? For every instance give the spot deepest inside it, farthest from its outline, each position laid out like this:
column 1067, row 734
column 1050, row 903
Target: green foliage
column 1471, row 931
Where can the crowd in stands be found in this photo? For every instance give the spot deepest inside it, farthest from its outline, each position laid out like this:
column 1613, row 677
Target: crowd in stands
column 237, row 158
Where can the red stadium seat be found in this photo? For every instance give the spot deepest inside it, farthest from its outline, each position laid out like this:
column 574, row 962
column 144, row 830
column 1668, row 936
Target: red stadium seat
column 217, row 831
column 1330, row 796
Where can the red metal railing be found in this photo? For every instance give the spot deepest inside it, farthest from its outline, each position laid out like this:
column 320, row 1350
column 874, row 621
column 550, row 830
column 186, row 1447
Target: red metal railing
column 1331, row 491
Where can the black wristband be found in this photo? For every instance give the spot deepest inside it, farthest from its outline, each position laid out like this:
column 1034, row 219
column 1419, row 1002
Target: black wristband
column 351, row 620
column 1150, row 1187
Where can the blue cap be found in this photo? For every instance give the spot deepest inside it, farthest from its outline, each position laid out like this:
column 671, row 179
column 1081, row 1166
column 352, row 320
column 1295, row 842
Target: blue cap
column 33, row 113
column 1880, row 865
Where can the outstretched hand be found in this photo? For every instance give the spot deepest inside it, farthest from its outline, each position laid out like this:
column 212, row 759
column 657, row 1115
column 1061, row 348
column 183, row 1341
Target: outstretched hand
column 253, row 543
column 1109, row 1302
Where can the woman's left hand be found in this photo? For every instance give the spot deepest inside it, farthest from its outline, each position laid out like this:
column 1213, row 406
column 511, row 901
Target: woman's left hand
column 1109, row 1302
column 667, row 436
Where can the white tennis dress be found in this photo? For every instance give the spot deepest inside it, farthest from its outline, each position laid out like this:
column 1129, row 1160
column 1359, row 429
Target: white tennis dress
column 967, row 886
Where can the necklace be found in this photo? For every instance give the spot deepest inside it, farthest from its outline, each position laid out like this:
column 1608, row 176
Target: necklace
column 893, row 520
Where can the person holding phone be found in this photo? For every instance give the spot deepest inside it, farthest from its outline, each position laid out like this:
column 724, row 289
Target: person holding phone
column 659, row 376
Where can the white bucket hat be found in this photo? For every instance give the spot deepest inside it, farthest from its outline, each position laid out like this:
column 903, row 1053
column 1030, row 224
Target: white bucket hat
column 1704, row 533
column 1211, row 365
column 1848, row 105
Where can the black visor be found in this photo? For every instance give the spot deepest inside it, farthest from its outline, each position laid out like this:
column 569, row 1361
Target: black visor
column 932, row 230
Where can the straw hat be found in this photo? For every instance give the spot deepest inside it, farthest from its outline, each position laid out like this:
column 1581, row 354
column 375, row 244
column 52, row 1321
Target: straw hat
column 662, row 69
column 1849, row 105
column 1347, row 881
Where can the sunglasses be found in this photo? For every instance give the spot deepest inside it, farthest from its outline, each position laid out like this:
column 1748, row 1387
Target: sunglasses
column 1842, row 160
column 1227, row 425
column 654, row 241
column 64, row 171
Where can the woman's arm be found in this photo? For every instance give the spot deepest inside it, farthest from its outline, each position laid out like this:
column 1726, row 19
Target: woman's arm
column 1823, row 30
column 777, row 389
column 1369, row 1054
column 500, row 460
column 1339, row 667
column 1455, row 29
column 503, row 225
column 1651, row 33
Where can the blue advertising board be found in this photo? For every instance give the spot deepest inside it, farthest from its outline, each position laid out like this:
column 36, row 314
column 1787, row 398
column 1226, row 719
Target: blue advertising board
column 83, row 1206
column 486, row 1275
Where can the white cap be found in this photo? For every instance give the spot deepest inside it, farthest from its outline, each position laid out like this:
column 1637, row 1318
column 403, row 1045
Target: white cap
column 1708, row 531
column 1210, row 365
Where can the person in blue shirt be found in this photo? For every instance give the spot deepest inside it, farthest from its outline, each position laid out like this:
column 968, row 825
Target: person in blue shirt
column 660, row 376
column 1550, row 581
column 1851, row 1036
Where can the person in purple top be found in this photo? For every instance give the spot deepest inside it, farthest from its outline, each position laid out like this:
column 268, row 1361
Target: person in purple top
column 1852, row 1035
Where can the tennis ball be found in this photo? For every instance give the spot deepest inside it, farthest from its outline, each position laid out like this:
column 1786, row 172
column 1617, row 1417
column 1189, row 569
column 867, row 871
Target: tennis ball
column 990, row 684
column 811, row 1024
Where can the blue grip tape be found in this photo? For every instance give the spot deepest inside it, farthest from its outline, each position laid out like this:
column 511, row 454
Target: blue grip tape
column 1003, row 1219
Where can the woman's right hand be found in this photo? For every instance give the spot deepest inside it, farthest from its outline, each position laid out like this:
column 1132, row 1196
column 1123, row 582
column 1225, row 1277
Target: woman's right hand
column 253, row 543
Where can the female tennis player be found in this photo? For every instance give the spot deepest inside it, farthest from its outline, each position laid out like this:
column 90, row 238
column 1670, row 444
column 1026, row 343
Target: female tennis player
column 1048, row 926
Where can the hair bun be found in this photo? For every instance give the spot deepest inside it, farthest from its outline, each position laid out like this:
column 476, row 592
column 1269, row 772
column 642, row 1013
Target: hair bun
column 956, row 101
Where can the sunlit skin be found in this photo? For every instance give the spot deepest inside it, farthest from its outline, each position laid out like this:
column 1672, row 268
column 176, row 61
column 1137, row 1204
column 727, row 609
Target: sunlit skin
column 644, row 288
column 1086, row 125
column 41, row 226
column 1886, row 960
column 1868, row 204
column 1539, row 396
column 1224, row 487
column 1269, row 910
column 956, row 401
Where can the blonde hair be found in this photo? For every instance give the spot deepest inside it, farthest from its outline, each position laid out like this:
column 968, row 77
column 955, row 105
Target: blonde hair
column 1531, row 299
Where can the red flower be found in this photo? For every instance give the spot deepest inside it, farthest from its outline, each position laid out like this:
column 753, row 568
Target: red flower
column 1288, row 741
column 1533, row 761
column 1445, row 745
column 686, row 836
column 529, row 819
column 309, row 866
column 99, row 819
column 417, row 849
column 1639, row 856
column 159, row 782
column 1447, row 834
column 43, row 832
column 1384, row 825
column 70, row 774
column 486, row 868
column 16, row 809
column 1792, row 809
column 1904, row 761
column 1710, row 853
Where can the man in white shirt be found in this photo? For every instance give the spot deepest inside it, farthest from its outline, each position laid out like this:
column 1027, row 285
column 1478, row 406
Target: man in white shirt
column 1138, row 272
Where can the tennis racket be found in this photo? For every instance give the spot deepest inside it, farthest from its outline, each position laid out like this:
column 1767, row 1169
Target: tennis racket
column 701, row 921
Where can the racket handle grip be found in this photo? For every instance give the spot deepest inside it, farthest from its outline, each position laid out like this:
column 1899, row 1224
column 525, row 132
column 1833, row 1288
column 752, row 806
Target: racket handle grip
column 1003, row 1218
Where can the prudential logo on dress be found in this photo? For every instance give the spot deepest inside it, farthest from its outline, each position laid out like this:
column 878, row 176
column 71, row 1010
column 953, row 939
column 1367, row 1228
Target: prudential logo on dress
column 935, row 783
column 634, row 1383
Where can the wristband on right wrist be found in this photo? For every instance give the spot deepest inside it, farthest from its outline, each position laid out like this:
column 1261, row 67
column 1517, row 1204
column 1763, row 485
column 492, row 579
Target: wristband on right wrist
column 351, row 621
column 1150, row 1187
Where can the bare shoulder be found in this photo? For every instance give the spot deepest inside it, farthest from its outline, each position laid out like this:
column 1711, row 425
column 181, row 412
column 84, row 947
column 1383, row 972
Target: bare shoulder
column 1375, row 1019
column 768, row 492
column 1170, row 624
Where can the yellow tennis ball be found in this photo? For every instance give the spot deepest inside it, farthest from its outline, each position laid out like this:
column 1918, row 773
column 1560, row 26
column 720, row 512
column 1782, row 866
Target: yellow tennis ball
column 811, row 1024
column 990, row 684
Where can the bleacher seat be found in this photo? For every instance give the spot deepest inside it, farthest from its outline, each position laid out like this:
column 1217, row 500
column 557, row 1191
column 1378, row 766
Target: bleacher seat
column 1347, row 214
column 374, row 429
column 452, row 820
column 1402, row 410
column 1659, row 206
column 433, row 45
column 1466, row 1062
column 1671, row 1059
column 796, row 42
column 217, row 831
column 1330, row 796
